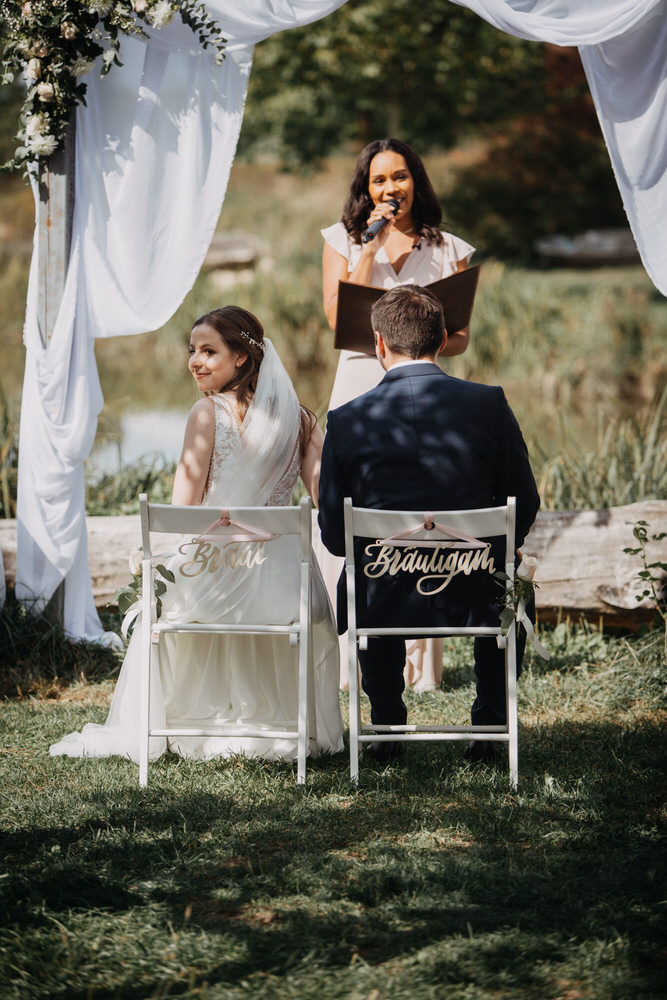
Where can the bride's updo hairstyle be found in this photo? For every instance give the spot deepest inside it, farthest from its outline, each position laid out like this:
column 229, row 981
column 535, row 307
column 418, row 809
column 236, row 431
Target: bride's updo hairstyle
column 240, row 331
column 426, row 210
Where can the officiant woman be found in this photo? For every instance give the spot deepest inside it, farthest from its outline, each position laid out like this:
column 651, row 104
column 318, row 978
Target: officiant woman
column 411, row 249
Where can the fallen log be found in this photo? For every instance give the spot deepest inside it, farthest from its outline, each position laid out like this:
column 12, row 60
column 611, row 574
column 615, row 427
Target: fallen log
column 583, row 570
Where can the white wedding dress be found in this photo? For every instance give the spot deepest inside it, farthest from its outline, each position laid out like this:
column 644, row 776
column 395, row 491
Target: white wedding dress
column 244, row 682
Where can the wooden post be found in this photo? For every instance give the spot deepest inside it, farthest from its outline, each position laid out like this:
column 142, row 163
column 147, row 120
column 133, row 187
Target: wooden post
column 54, row 224
column 54, row 215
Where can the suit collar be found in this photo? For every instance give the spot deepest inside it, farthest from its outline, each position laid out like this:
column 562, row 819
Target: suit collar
column 407, row 371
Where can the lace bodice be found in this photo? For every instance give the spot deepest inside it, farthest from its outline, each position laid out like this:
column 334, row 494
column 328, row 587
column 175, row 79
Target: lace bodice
column 227, row 462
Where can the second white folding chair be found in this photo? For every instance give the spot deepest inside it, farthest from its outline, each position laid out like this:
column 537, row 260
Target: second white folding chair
column 399, row 528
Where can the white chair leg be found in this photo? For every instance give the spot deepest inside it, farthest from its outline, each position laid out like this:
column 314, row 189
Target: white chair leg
column 144, row 715
column 512, row 713
column 353, row 687
column 302, row 741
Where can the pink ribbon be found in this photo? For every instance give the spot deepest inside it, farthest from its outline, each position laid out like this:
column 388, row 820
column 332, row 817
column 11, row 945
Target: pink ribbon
column 461, row 540
column 246, row 533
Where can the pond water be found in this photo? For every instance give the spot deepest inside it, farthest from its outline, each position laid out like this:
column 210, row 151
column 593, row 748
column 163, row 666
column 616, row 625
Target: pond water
column 145, row 435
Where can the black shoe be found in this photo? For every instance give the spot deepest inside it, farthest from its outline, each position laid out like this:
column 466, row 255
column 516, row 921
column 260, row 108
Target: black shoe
column 384, row 751
column 487, row 751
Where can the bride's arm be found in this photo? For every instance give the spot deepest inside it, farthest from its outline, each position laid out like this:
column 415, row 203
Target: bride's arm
column 193, row 465
column 310, row 466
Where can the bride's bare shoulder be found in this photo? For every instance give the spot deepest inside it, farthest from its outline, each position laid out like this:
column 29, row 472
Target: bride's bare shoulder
column 210, row 409
column 202, row 412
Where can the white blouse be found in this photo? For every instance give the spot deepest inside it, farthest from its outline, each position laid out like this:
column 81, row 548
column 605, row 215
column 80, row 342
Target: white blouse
column 426, row 263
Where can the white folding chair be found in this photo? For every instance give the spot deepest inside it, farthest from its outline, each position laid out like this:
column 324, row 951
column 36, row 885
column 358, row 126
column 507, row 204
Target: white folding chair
column 271, row 521
column 439, row 528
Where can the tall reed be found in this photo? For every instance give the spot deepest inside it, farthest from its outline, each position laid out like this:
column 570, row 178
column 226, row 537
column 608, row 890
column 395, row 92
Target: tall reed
column 628, row 465
column 9, row 454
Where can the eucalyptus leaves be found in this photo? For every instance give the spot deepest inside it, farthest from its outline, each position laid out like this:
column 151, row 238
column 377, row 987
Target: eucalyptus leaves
column 519, row 593
column 53, row 44
column 518, row 596
column 128, row 598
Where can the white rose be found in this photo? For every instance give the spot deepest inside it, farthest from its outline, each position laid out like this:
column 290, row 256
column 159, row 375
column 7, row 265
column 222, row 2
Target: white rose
column 42, row 145
column 46, row 92
column 26, row 9
column 33, row 70
column 69, row 30
column 134, row 561
column 81, row 66
column 34, row 125
column 526, row 568
column 162, row 13
column 140, row 6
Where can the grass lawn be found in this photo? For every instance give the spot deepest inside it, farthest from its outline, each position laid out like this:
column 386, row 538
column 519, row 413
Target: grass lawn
column 225, row 880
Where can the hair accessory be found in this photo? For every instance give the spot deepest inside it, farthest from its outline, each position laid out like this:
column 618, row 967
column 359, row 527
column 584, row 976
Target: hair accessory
column 251, row 340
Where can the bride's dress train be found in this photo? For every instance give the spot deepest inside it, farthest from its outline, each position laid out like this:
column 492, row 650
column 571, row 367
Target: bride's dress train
column 243, row 682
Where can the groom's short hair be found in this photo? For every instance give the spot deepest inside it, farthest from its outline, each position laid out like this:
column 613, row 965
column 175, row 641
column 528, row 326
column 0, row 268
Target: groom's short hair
column 411, row 321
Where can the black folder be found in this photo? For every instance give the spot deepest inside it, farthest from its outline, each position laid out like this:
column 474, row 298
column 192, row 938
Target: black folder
column 354, row 331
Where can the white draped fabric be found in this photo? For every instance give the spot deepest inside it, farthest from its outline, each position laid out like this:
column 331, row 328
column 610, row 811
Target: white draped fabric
column 153, row 154
column 154, row 148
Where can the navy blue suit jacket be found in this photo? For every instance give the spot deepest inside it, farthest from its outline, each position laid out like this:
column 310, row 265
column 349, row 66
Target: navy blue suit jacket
column 421, row 440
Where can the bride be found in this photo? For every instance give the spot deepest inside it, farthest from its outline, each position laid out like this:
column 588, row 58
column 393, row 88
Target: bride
column 246, row 443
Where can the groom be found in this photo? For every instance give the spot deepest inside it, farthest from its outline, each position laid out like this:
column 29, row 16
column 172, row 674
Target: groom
column 422, row 440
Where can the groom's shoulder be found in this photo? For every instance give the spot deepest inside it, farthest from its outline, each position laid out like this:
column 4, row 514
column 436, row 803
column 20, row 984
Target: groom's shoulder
column 443, row 384
column 479, row 389
column 359, row 403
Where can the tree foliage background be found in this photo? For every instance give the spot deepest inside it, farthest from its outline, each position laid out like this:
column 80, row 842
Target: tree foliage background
column 438, row 76
column 441, row 78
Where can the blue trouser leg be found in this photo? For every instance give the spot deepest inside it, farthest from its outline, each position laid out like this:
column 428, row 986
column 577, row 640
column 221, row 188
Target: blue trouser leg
column 382, row 679
column 490, row 706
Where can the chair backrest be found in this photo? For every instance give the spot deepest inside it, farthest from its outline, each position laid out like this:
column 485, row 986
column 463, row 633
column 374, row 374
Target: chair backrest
column 263, row 552
column 253, row 523
column 440, row 545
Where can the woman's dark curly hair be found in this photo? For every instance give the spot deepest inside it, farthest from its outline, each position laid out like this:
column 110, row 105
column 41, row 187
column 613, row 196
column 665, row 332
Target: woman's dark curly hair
column 426, row 210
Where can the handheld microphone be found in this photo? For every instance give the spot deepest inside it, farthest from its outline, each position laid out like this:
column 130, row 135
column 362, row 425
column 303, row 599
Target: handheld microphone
column 379, row 224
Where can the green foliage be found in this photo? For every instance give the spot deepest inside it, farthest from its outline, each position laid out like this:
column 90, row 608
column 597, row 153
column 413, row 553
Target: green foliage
column 545, row 171
column 376, row 67
column 577, row 352
column 538, row 177
column 37, row 657
column 129, row 595
column 629, row 464
column 9, row 427
column 118, row 493
column 516, row 597
column 654, row 581
column 11, row 99
column 652, row 577
column 226, row 881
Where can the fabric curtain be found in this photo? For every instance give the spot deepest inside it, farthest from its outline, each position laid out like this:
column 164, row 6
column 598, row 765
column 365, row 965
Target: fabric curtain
column 154, row 150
